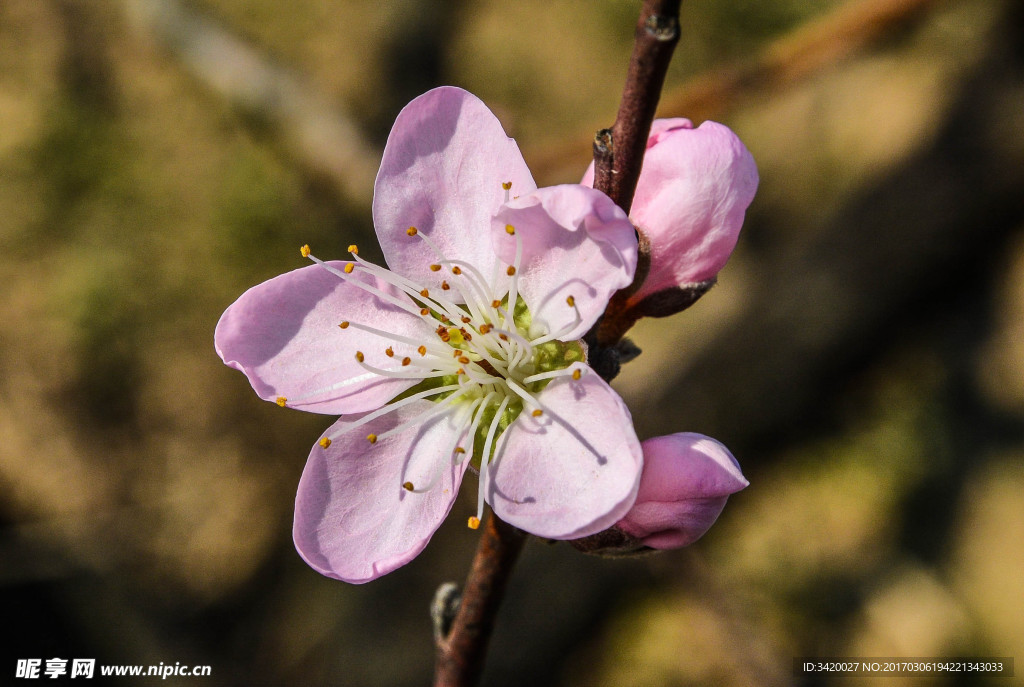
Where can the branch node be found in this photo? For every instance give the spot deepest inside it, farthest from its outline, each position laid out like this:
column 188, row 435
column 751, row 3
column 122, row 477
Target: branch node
column 662, row 27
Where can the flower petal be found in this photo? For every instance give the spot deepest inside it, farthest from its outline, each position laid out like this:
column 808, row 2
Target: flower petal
column 283, row 334
column 575, row 242
column 353, row 519
column 574, row 470
column 686, row 481
column 442, row 172
column 693, row 192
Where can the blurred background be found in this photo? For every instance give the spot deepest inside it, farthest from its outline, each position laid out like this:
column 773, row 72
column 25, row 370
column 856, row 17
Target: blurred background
column 863, row 354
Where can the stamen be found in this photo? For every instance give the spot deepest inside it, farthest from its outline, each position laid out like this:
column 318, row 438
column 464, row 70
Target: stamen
column 281, row 401
column 388, row 335
column 537, row 413
column 411, row 231
column 391, row 407
column 474, row 522
column 513, row 289
column 359, row 356
column 422, row 350
column 575, row 374
column 509, row 229
column 408, row 486
column 406, row 361
column 372, row 438
column 485, row 457
column 304, row 251
column 324, row 442
column 349, row 266
column 440, row 408
column 344, row 275
column 564, row 330
column 389, row 352
column 353, row 249
column 444, row 286
column 435, row 268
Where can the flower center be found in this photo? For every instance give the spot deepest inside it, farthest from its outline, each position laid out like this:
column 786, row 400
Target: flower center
column 482, row 359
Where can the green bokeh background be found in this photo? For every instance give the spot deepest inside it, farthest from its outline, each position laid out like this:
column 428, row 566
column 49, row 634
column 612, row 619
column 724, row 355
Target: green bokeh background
column 863, row 354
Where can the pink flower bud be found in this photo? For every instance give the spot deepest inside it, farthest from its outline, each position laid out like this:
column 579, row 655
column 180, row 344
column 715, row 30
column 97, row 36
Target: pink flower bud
column 685, row 483
column 692, row 195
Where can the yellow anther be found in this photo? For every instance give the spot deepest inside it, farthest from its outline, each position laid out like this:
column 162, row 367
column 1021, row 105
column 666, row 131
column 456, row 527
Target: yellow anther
column 406, row 361
column 325, row 442
column 353, row 249
column 389, row 352
column 424, row 311
column 422, row 350
column 344, row 325
column 576, row 374
column 411, row 231
column 372, row 438
column 281, row 400
column 460, row 371
column 464, row 360
column 509, row 229
column 425, row 293
column 408, row 486
column 495, row 304
column 538, row 412
column 359, row 356
column 444, row 318
column 484, row 328
column 456, row 270
column 503, row 336
column 435, row 267
column 456, row 353
column 465, row 320
column 459, row 449
column 474, row 522
column 349, row 267
column 506, row 185
column 444, row 286
column 304, row 251
column 571, row 301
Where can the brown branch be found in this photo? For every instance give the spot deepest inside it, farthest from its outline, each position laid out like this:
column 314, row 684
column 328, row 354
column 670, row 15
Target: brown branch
column 460, row 654
column 618, row 154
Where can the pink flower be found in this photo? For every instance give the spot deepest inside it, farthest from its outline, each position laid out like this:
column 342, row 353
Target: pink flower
column 464, row 353
column 694, row 189
column 686, row 481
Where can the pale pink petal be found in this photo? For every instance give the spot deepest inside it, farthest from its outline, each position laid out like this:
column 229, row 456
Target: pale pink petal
column 693, row 192
column 575, row 242
column 353, row 519
column 442, row 172
column 574, row 470
column 284, row 335
column 686, row 481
